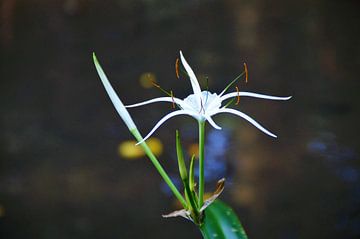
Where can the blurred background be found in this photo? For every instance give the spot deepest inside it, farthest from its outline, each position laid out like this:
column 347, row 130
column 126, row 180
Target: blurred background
column 67, row 165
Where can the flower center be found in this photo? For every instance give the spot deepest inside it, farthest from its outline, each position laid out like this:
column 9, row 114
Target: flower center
column 209, row 102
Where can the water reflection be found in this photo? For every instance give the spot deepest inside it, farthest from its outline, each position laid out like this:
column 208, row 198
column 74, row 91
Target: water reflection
column 217, row 145
column 340, row 159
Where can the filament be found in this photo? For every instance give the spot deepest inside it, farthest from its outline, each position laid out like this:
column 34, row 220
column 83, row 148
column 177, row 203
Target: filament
column 172, row 97
column 160, row 88
column 202, row 106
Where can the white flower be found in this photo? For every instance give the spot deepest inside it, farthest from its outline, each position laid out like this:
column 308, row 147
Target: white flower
column 202, row 105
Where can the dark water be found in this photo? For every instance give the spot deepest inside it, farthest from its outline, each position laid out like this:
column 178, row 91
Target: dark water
column 60, row 174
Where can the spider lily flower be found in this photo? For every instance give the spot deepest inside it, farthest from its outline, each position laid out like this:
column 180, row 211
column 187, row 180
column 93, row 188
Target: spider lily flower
column 202, row 105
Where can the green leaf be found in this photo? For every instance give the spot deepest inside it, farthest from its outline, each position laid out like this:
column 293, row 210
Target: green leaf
column 180, row 156
column 221, row 222
column 192, row 174
column 189, row 195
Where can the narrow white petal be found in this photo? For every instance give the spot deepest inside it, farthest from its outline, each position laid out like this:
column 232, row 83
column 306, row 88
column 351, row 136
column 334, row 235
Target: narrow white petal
column 212, row 122
column 194, row 82
column 255, row 95
column 160, row 99
column 165, row 118
column 248, row 118
column 119, row 106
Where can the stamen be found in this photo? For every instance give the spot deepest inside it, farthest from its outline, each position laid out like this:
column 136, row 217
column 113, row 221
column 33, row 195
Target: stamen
column 172, row 97
column 160, row 88
column 246, row 73
column 232, row 82
column 229, row 103
column 154, row 84
column 171, row 94
column 238, row 96
column 177, row 68
column 202, row 107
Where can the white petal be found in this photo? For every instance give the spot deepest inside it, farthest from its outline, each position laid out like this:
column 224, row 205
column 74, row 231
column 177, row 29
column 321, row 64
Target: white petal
column 194, row 82
column 248, row 118
column 255, row 95
column 165, row 118
column 160, row 99
column 119, row 106
column 212, row 122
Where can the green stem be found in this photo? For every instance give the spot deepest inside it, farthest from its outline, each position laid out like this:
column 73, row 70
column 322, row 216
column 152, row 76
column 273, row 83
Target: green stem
column 159, row 168
column 192, row 202
column 201, row 162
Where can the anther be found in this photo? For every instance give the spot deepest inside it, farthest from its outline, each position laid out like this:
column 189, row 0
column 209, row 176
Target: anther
column 156, row 85
column 177, row 68
column 246, row 73
column 159, row 87
column 238, row 95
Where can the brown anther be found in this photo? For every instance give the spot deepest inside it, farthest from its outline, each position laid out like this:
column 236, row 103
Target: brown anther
column 246, row 73
column 172, row 98
column 177, row 68
column 154, row 84
column 238, row 96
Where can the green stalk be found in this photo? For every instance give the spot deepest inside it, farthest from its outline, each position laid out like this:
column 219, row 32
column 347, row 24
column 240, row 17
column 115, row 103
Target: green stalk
column 158, row 166
column 201, row 162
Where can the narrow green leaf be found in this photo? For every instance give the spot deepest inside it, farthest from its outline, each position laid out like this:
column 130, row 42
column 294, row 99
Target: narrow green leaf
column 119, row 106
column 192, row 173
column 190, row 187
column 180, row 156
column 191, row 200
column 221, row 222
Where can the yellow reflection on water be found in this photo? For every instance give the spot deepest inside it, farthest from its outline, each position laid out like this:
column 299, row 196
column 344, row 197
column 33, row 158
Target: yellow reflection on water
column 193, row 149
column 147, row 79
column 128, row 149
